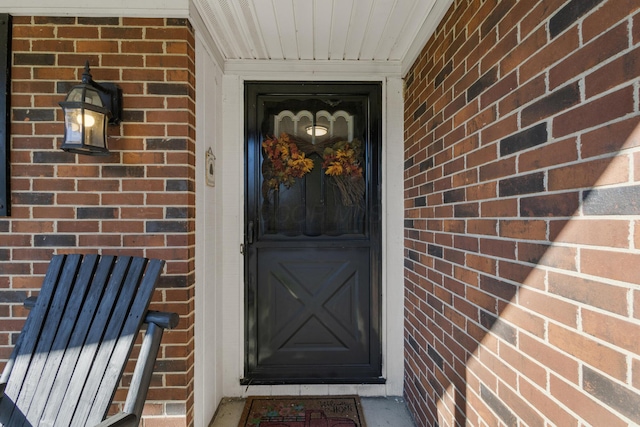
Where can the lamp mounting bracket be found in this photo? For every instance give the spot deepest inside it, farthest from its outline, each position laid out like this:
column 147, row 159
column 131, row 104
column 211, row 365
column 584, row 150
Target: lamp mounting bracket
column 110, row 94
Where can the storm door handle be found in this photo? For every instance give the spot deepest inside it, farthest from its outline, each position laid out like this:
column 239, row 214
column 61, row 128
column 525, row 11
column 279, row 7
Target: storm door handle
column 250, row 233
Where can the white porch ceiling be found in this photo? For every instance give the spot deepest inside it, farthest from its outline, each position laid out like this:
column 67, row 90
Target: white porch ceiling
column 334, row 31
column 380, row 33
column 315, row 29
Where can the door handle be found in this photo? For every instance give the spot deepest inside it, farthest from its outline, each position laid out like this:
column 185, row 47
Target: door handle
column 250, row 233
column 248, row 238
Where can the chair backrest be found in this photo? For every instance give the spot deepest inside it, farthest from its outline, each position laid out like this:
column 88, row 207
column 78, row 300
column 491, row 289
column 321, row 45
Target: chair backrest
column 76, row 341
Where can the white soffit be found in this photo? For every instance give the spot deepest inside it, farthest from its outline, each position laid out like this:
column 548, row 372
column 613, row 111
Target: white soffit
column 381, row 35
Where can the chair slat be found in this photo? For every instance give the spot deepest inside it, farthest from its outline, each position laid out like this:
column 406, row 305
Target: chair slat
column 22, row 353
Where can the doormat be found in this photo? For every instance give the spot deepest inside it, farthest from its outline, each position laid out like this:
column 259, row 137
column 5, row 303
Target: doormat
column 302, row 411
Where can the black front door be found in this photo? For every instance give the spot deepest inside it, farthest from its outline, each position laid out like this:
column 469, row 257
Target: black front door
column 312, row 236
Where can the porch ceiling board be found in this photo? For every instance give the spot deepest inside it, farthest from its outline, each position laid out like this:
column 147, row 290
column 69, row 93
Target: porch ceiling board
column 286, row 23
column 321, row 24
column 303, row 11
column 357, row 28
column 340, row 19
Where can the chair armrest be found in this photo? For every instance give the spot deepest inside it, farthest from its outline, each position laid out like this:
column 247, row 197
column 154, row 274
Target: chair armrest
column 30, row 302
column 121, row 419
column 161, row 318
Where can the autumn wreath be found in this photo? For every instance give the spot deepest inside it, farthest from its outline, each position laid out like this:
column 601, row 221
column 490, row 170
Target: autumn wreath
column 286, row 159
column 285, row 162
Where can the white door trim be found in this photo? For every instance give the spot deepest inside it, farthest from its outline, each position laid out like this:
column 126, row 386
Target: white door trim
column 231, row 277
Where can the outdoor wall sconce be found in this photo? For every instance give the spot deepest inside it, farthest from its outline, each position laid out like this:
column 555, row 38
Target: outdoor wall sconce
column 87, row 109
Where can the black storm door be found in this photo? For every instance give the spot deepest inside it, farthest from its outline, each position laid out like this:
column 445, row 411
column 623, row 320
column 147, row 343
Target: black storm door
column 312, row 233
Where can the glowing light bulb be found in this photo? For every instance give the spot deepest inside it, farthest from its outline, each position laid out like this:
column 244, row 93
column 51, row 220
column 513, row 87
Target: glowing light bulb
column 89, row 121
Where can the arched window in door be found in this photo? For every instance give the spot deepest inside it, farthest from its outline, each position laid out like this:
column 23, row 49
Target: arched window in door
column 321, row 126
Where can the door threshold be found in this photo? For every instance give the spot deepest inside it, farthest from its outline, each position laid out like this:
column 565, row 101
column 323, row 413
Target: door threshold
column 300, row 381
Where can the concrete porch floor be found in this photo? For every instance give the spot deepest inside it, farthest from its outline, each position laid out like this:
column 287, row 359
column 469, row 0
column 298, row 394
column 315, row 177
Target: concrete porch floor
column 378, row 412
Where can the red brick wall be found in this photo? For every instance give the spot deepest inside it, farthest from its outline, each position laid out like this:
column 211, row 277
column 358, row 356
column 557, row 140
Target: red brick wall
column 140, row 200
column 522, row 203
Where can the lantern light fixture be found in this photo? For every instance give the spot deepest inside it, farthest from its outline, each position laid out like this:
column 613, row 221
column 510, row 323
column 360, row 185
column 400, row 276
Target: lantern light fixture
column 87, row 109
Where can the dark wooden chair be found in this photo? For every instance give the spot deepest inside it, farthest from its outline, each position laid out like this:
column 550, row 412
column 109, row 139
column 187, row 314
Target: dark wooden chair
column 78, row 336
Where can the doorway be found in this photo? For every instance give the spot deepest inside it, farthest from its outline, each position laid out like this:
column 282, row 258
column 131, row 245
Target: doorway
column 312, row 246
